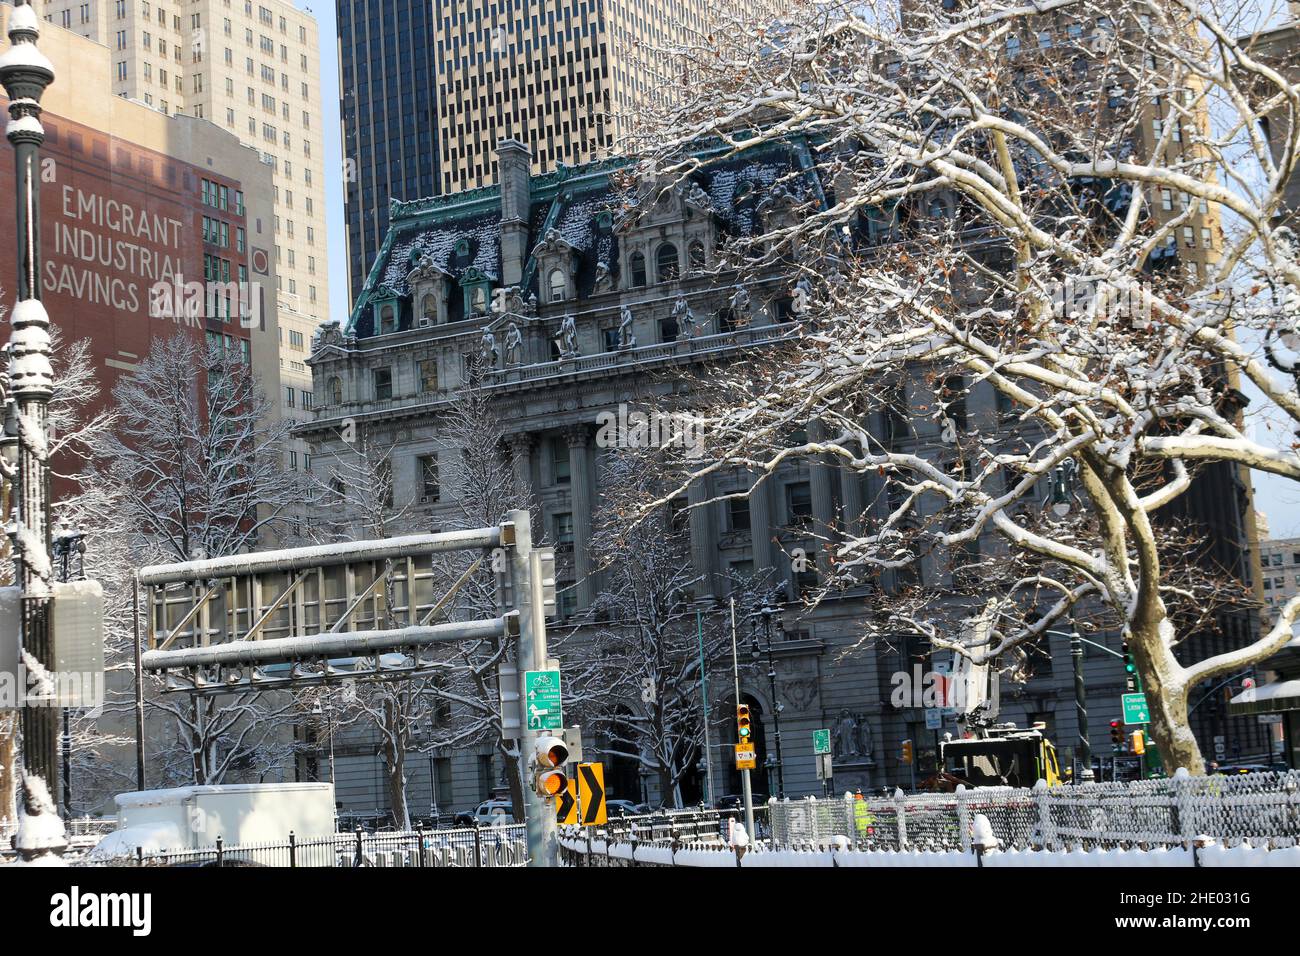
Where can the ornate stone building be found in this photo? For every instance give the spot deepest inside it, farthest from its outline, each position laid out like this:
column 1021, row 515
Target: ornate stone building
column 592, row 312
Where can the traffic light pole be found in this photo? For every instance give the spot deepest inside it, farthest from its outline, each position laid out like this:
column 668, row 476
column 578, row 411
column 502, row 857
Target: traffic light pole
column 745, row 788
column 531, row 655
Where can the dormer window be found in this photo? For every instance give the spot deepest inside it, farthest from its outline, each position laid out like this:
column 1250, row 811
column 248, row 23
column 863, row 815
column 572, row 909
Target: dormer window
column 387, row 319
column 428, row 310
column 478, row 300
column 636, row 269
column 557, row 286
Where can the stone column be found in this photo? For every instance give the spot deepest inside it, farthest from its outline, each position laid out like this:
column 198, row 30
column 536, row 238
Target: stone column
column 704, row 550
column 760, row 528
column 854, row 502
column 820, row 474
column 580, row 483
column 521, row 465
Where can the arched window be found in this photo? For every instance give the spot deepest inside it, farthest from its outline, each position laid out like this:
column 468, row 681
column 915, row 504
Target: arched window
column 667, row 267
column 478, row 300
column 387, row 320
column 336, row 391
column 695, row 256
column 558, row 285
column 636, row 269
column 429, row 309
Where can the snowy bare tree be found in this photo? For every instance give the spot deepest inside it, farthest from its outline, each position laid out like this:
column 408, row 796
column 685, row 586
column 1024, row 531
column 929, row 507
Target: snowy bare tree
column 196, row 467
column 457, row 703
column 1038, row 247
column 634, row 673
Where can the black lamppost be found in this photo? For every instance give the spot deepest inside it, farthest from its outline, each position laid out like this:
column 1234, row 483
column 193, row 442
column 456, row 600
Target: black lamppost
column 25, row 73
column 767, row 612
column 66, row 543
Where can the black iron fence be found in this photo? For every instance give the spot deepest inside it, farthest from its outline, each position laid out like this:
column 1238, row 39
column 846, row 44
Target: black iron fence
column 504, row 846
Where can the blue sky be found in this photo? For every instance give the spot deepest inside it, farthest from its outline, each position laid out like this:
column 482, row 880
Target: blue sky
column 335, row 228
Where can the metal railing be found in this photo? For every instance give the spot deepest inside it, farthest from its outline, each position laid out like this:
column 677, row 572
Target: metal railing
column 504, row 846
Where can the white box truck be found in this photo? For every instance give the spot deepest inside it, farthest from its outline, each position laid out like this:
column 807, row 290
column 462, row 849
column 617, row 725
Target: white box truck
column 192, row 818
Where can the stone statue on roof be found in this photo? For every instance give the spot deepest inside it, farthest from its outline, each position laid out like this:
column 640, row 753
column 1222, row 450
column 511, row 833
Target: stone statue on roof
column 514, row 345
column 740, row 304
column 626, row 337
column 684, row 316
column 487, row 349
column 567, row 340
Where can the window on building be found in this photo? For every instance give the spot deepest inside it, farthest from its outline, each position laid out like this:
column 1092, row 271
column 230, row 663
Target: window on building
column 563, row 528
column 383, row 378
column 798, row 502
column 336, row 390
column 667, row 267
column 430, row 489
column 557, row 285
column 738, row 514
column 636, row 269
column 429, row 309
column 387, row 320
column 428, row 370
column 560, row 459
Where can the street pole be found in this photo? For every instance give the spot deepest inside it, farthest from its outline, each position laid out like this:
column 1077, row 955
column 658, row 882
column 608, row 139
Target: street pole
column 1081, row 708
column 745, row 787
column 139, row 684
column 768, row 611
column 711, row 794
column 25, row 73
column 531, row 651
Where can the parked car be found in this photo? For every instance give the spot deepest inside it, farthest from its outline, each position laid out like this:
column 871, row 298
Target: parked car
column 624, row 808
column 729, row 801
column 1236, row 768
column 487, row 813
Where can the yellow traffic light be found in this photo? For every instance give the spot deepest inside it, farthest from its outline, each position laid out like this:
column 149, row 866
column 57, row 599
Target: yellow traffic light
column 744, row 730
column 1138, row 742
column 908, row 753
column 548, row 760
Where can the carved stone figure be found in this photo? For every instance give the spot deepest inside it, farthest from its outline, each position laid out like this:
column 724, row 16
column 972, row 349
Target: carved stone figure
column 626, row 337
column 514, row 345
column 740, row 304
column 487, row 349
column 687, row 325
column 567, row 340
column 846, row 736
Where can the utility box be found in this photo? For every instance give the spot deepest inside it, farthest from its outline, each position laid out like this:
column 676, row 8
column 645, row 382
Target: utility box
column 78, row 624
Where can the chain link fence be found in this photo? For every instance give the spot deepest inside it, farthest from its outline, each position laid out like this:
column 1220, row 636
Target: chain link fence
column 1262, row 808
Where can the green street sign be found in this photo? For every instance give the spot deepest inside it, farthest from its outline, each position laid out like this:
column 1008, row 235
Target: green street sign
column 542, row 700
column 822, row 741
column 1135, row 709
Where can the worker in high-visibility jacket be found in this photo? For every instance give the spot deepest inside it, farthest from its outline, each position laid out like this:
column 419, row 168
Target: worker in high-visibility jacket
column 863, row 821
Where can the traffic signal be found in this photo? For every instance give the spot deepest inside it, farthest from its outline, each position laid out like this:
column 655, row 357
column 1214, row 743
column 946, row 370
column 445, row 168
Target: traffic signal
column 744, row 730
column 548, row 766
column 1130, row 668
column 1116, row 734
column 1138, row 742
column 907, row 752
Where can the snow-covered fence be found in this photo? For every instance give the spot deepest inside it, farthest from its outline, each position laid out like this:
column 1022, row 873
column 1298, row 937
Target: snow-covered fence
column 683, row 826
column 505, row 846
column 1263, row 808
column 576, row 851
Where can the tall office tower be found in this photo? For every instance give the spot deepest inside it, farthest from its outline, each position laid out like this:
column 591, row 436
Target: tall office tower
column 252, row 68
column 568, row 77
column 389, row 134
